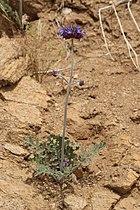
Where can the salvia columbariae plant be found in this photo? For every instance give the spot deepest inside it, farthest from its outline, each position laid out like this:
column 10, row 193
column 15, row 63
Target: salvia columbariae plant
column 10, row 14
column 58, row 156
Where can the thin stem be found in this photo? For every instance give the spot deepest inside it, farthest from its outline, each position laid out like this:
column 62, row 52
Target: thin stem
column 21, row 11
column 128, row 5
column 65, row 109
column 130, row 48
column 103, row 33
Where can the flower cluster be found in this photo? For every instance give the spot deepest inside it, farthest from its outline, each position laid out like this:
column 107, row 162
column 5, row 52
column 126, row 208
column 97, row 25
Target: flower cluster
column 70, row 32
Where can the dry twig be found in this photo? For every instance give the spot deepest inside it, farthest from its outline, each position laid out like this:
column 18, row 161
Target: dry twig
column 131, row 50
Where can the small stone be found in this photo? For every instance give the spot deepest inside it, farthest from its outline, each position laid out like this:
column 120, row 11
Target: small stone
column 75, row 76
column 24, row 113
column 66, row 10
column 13, row 61
column 53, row 206
column 24, row 100
column 128, row 203
column 75, row 202
column 135, row 157
column 14, row 149
column 79, row 173
column 28, row 91
column 135, row 117
column 123, row 182
column 74, row 178
column 57, row 107
column 103, row 199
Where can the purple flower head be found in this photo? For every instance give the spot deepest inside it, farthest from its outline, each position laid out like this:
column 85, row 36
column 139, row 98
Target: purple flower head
column 81, row 82
column 65, row 162
column 55, row 73
column 78, row 33
column 71, row 32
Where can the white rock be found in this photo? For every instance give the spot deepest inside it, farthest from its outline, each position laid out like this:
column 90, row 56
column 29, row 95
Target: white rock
column 16, row 150
column 103, row 199
column 66, row 11
column 75, row 202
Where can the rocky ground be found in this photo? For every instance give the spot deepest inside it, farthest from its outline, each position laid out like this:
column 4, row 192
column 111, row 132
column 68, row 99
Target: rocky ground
column 106, row 107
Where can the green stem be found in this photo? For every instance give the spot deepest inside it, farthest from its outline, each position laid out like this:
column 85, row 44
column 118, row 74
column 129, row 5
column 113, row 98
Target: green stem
column 21, row 12
column 65, row 109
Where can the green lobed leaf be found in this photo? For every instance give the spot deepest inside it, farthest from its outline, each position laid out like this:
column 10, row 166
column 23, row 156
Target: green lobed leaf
column 47, row 155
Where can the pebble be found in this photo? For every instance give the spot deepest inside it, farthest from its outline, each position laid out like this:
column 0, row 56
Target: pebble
column 76, row 202
column 66, row 11
column 14, row 149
